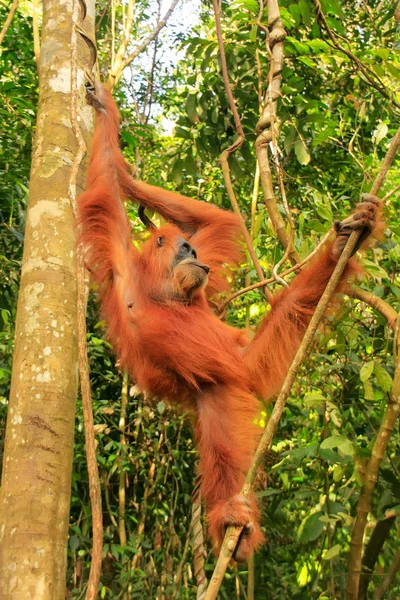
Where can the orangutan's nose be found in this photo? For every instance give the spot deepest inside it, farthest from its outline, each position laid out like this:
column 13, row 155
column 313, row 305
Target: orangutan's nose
column 186, row 250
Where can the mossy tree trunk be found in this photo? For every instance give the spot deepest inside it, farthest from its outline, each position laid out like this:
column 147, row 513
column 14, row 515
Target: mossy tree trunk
column 35, row 493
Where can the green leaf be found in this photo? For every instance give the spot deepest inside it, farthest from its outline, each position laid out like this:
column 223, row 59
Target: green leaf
column 191, row 108
column 129, row 138
column 289, row 139
column 176, row 173
column 331, row 456
column 383, row 378
column 298, row 46
column 303, row 575
column 333, row 7
column 305, row 12
column 319, row 45
column 316, row 225
column 368, row 390
column 253, row 33
column 251, row 5
column 258, row 223
column 366, row 370
column 116, row 551
column 295, row 13
column 182, row 133
column 374, row 269
column 314, row 400
column 74, row 542
column 301, row 152
column 338, row 472
column 161, row 407
column 324, row 212
column 380, row 132
column 339, row 442
column 235, row 167
column 311, row 527
column 189, row 164
column 332, row 552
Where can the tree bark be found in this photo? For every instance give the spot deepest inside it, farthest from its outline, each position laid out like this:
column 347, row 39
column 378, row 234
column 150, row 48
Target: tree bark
column 35, row 493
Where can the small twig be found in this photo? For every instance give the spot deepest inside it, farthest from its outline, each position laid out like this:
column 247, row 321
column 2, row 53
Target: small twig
column 142, row 512
column 389, row 194
column 8, row 20
column 387, row 162
column 122, row 474
column 148, row 100
column 179, row 568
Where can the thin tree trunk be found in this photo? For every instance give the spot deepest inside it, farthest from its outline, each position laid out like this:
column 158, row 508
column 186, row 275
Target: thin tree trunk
column 35, row 493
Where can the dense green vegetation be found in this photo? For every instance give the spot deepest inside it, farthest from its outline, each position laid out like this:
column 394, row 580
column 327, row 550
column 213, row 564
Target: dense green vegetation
column 335, row 130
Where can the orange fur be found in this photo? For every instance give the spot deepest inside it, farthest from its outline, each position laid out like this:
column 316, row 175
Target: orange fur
column 179, row 349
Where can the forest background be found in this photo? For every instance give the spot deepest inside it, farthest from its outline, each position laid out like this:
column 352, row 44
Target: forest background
column 338, row 112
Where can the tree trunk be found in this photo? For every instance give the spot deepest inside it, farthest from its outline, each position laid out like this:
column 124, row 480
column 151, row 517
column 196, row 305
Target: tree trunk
column 35, row 493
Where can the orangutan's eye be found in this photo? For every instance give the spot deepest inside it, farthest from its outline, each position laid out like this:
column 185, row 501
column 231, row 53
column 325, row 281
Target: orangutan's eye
column 160, row 241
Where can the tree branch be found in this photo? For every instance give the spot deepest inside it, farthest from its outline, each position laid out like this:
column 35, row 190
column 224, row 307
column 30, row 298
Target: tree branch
column 371, row 77
column 372, row 551
column 119, row 66
column 8, row 20
column 389, row 578
column 268, row 127
column 377, row 303
column 369, row 482
column 384, row 433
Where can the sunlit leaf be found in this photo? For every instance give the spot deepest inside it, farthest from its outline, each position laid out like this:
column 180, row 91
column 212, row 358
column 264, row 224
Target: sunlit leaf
column 301, row 152
column 332, row 552
column 311, row 527
column 383, row 378
column 366, row 370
